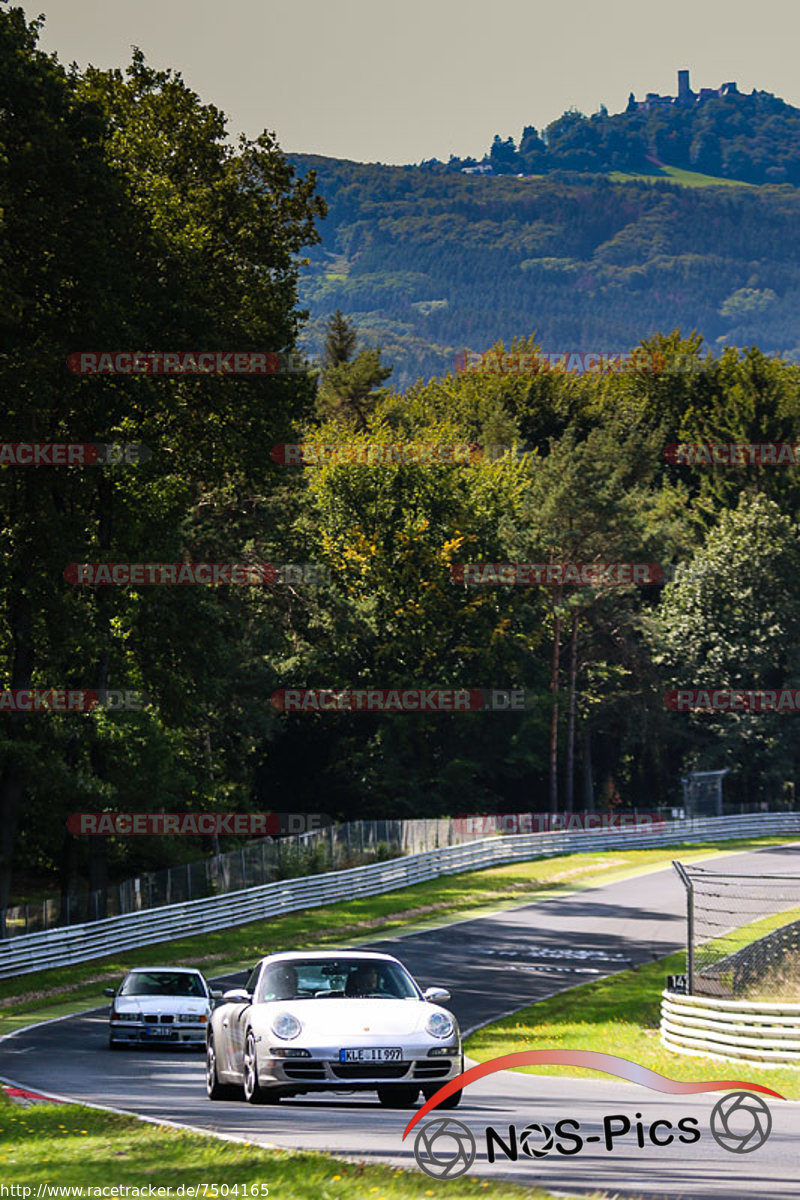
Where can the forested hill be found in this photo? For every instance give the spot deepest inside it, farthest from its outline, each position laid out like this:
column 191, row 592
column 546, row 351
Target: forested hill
column 754, row 138
column 428, row 264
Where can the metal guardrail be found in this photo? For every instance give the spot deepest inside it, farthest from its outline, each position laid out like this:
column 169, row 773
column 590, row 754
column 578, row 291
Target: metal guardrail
column 79, row 943
column 733, row 1030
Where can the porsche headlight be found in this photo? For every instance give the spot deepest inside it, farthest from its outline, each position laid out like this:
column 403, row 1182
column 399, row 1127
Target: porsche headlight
column 440, row 1025
column 286, row 1027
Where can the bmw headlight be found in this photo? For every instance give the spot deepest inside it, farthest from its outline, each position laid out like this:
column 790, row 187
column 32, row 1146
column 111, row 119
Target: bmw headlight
column 440, row 1025
column 286, row 1027
column 197, row 1018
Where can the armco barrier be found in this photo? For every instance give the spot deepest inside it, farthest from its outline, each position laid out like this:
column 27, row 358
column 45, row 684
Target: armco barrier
column 734, row 1030
column 79, row 943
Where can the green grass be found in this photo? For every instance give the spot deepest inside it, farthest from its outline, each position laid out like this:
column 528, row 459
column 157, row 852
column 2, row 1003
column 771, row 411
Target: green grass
column 676, row 175
column 618, row 1015
column 69, row 1145
column 729, row 943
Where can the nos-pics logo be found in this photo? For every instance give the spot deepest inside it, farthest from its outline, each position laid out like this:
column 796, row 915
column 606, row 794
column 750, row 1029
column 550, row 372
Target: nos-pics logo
column 445, row 1148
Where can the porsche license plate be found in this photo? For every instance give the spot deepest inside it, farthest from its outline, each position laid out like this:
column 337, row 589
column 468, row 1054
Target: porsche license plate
column 373, row 1054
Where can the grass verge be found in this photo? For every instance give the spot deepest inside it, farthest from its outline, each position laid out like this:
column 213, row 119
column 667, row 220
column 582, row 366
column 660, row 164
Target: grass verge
column 60, row 991
column 617, row 1015
column 68, row 1145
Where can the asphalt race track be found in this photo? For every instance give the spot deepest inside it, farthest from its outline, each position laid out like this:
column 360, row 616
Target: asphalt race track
column 493, row 965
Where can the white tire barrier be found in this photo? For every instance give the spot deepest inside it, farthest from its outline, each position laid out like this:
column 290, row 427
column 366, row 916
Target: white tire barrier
column 734, row 1030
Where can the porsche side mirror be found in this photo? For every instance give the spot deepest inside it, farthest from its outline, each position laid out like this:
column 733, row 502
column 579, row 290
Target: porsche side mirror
column 237, row 996
column 216, row 993
column 436, row 995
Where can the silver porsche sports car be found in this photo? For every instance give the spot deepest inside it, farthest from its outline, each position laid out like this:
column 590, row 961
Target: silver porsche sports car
column 160, row 1005
column 332, row 1020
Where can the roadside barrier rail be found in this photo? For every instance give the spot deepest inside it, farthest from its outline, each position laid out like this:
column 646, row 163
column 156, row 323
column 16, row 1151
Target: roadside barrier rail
column 114, row 935
column 733, row 1030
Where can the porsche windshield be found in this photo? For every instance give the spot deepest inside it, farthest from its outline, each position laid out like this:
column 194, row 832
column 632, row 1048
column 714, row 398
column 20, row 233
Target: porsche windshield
column 163, row 983
column 350, row 978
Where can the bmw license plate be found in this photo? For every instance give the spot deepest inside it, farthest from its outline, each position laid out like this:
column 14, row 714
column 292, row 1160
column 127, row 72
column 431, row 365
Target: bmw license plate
column 158, row 1030
column 373, row 1054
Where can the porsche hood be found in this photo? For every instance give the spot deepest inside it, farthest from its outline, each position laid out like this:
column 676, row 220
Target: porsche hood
column 337, row 1018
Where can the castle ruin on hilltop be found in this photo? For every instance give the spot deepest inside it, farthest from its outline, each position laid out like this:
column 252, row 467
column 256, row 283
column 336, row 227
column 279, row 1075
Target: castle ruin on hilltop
column 685, row 95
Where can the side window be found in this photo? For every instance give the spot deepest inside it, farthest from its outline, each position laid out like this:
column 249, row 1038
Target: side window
column 252, row 979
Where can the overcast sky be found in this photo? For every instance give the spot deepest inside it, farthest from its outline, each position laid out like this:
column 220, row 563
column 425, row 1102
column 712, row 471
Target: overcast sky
column 396, row 81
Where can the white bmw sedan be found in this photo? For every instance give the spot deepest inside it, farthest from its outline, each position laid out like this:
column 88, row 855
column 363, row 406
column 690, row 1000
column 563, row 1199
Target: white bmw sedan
column 157, row 1005
column 342, row 1020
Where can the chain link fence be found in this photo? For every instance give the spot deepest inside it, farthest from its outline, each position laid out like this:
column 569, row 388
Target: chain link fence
column 743, row 934
column 261, row 860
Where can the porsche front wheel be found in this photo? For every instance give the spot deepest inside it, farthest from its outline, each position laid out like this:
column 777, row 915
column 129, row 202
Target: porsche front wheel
column 214, row 1089
column 253, row 1092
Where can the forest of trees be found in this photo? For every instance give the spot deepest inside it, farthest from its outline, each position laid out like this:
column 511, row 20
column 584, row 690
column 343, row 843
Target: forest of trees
column 754, row 138
column 429, row 264
column 200, row 251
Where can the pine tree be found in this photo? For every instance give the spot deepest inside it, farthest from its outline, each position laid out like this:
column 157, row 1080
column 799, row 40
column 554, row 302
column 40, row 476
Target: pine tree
column 340, row 340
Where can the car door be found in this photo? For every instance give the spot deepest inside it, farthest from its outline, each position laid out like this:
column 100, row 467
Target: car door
column 234, row 1023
